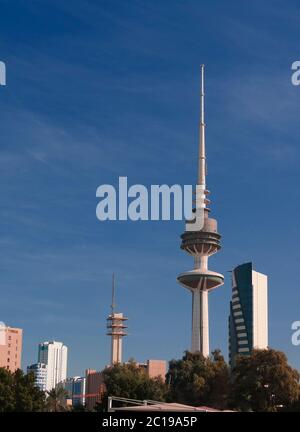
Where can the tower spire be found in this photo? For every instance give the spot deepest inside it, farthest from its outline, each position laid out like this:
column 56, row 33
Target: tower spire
column 201, row 156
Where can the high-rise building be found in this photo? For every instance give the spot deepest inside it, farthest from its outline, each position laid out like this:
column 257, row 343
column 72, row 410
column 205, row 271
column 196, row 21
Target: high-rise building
column 116, row 330
column 248, row 319
column 78, row 396
column 40, row 373
column 54, row 354
column 201, row 240
column 75, row 387
column 10, row 347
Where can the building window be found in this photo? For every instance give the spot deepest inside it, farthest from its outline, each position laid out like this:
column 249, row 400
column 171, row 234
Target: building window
column 8, row 360
column 240, row 335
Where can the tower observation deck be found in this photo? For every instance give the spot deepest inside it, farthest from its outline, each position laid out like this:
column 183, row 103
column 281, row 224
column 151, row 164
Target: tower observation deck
column 201, row 244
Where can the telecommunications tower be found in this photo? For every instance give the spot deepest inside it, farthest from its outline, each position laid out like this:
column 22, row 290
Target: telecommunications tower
column 116, row 329
column 201, row 244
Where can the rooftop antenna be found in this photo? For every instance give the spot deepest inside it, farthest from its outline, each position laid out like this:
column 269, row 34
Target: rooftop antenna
column 113, row 304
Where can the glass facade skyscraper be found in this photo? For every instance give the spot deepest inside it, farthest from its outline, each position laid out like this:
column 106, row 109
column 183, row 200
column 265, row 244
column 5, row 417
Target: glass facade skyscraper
column 248, row 319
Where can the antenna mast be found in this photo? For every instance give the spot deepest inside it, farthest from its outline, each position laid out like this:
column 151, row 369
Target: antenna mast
column 113, row 304
column 202, row 159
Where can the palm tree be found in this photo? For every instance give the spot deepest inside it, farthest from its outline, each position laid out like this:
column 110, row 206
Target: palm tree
column 56, row 400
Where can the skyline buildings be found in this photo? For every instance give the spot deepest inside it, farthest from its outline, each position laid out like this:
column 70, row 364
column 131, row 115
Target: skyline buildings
column 55, row 355
column 248, row 319
column 10, row 347
column 155, row 98
column 201, row 244
column 75, row 387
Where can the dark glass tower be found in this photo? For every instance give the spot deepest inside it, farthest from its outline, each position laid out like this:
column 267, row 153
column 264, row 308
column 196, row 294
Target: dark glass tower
column 248, row 319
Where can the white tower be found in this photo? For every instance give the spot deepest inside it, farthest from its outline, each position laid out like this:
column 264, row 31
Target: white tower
column 116, row 329
column 201, row 244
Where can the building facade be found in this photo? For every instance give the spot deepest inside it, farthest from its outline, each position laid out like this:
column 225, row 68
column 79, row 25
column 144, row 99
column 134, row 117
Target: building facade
column 95, row 388
column 75, row 387
column 154, row 368
column 54, row 354
column 248, row 319
column 79, row 388
column 10, row 347
column 157, row 369
column 40, row 373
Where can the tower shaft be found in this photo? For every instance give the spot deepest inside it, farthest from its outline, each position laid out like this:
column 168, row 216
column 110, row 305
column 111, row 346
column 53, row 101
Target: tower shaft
column 200, row 323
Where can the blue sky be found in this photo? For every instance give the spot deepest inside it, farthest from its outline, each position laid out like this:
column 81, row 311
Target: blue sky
column 102, row 89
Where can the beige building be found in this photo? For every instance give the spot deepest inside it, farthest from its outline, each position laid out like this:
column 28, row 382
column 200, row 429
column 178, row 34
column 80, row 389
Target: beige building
column 155, row 368
column 10, row 347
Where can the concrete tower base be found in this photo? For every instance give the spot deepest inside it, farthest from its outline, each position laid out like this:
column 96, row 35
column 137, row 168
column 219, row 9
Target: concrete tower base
column 200, row 323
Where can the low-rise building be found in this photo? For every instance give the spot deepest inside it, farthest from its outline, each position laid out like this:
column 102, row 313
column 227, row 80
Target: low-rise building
column 75, row 388
column 40, row 373
column 95, row 388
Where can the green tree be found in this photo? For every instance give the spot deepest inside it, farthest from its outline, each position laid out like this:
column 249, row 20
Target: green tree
column 293, row 407
column 264, row 381
column 7, row 399
column 28, row 397
column 198, row 380
column 130, row 381
column 219, row 385
column 19, row 393
column 57, row 400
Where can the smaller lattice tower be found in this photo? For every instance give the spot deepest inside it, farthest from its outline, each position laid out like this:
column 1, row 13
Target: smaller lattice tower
column 116, row 329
